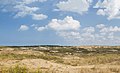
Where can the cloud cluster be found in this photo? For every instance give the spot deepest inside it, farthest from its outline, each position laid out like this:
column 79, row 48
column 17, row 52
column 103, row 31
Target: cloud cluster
column 93, row 35
column 70, row 30
column 78, row 6
column 68, row 23
column 110, row 8
column 22, row 8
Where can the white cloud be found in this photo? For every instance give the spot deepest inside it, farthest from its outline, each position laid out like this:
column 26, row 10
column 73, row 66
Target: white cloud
column 114, row 29
column 106, row 29
column 23, row 28
column 23, row 10
column 68, row 23
column 89, row 29
column 39, row 16
column 78, row 6
column 100, row 26
column 110, row 8
column 101, row 12
column 70, row 30
column 70, row 35
column 100, row 34
column 40, row 28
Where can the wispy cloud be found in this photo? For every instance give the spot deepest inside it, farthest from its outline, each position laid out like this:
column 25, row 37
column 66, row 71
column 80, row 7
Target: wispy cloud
column 23, row 8
column 39, row 16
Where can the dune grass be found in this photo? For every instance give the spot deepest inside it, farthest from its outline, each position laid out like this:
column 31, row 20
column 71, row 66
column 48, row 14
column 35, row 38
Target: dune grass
column 15, row 56
column 63, row 57
column 19, row 69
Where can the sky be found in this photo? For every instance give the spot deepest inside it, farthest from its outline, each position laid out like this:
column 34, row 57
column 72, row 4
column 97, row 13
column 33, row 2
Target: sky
column 59, row 22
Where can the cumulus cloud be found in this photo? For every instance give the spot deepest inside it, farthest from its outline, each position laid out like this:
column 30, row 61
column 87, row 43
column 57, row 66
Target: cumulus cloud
column 78, row 6
column 68, row 23
column 110, row 8
column 23, row 28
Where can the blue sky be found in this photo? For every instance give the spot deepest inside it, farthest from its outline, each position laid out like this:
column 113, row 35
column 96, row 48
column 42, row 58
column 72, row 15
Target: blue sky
column 59, row 22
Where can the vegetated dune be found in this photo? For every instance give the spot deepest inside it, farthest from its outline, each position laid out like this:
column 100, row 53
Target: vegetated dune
column 47, row 66
column 60, row 59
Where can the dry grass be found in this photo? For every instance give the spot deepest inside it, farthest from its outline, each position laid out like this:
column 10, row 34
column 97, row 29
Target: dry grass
column 65, row 61
column 97, row 59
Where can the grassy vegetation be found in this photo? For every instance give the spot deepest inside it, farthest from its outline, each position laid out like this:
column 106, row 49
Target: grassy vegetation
column 19, row 69
column 84, row 58
column 112, row 59
column 16, row 69
column 14, row 56
column 64, row 55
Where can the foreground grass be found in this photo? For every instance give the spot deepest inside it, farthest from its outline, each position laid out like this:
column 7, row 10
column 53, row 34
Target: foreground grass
column 96, row 59
column 19, row 69
column 64, row 56
column 22, row 69
column 83, row 59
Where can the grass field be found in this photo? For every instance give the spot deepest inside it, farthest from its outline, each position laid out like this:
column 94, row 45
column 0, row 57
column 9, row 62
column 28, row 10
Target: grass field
column 59, row 59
